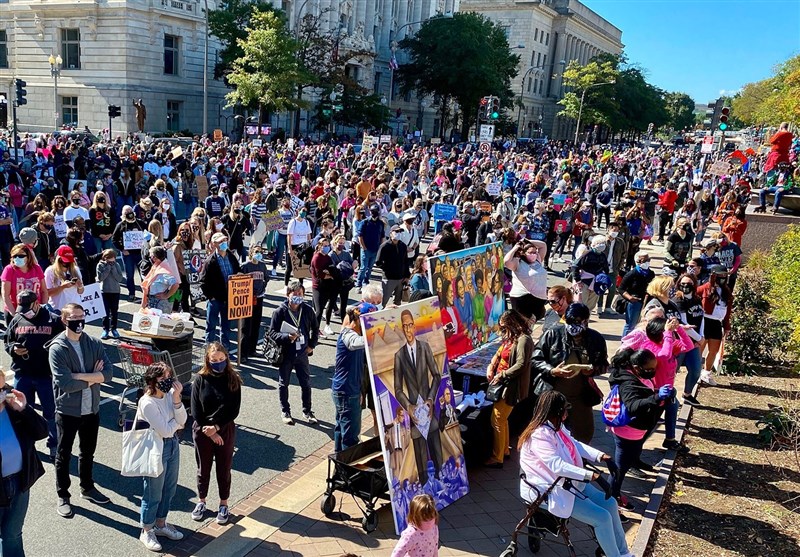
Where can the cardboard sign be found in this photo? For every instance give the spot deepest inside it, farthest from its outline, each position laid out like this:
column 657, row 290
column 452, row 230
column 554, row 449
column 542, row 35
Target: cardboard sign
column 240, row 297
column 91, row 301
column 217, row 135
column 177, row 152
column 366, row 143
column 160, row 325
column 436, row 140
column 133, row 240
column 193, row 261
column 273, row 221
column 720, row 168
column 202, row 187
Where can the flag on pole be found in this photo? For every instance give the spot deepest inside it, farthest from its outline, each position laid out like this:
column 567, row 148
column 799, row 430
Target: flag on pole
column 393, row 65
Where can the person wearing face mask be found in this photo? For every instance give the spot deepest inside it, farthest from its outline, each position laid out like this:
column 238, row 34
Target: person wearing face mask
column 237, row 223
column 730, row 256
column 586, row 268
column 346, row 267
column 46, row 242
column 615, row 253
column 160, row 284
column 130, row 257
column 31, row 328
column 216, row 401
column 183, row 241
column 161, row 407
column 251, row 333
column 80, row 365
column 219, row 267
column 323, row 283
column 369, row 233
column 75, row 209
column 23, row 273
column 678, row 248
column 556, row 352
column 583, row 221
column 110, row 276
column 214, row 204
column 166, row 216
column 717, row 300
column 691, row 307
column 634, row 289
column 632, row 372
column 528, row 293
column 295, row 328
column 102, row 222
column 391, row 259
column 298, row 238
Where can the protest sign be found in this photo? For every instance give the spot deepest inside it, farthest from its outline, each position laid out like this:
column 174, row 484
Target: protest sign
column 132, row 240
column 240, row 297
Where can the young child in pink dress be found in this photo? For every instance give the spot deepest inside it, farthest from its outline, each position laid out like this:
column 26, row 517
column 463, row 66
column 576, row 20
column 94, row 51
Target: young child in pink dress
column 421, row 536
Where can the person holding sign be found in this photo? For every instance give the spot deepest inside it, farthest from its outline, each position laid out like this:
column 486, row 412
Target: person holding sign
column 159, row 284
column 256, row 267
column 221, row 265
column 128, row 238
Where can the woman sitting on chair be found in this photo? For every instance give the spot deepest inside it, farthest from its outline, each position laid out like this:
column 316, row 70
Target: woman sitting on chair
column 547, row 452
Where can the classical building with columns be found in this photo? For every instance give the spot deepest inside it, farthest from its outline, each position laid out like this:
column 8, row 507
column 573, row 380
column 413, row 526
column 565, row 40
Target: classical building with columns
column 552, row 32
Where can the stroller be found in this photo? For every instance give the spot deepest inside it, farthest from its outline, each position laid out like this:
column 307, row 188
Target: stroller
column 538, row 522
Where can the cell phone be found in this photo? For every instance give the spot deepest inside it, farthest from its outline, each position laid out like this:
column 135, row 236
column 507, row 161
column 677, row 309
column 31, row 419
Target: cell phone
column 7, row 394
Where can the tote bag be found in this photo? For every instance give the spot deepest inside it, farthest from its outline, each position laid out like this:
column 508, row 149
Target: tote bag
column 142, row 448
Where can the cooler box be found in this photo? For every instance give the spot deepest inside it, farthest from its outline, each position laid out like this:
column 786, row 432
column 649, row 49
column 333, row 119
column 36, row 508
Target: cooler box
column 160, row 325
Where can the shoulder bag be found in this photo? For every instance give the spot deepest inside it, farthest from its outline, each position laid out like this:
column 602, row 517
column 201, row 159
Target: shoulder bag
column 142, row 448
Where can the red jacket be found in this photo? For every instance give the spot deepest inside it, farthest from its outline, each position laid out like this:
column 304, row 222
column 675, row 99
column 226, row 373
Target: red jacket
column 667, row 200
column 705, row 292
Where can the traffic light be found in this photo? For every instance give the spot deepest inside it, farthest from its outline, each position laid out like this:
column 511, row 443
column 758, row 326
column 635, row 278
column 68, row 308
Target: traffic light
column 21, row 92
column 495, row 112
column 114, row 111
column 723, row 118
column 650, row 129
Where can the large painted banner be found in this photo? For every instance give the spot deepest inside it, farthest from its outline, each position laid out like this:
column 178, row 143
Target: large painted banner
column 469, row 285
column 420, row 434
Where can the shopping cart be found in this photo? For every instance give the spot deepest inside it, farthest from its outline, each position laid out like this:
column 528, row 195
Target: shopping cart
column 136, row 357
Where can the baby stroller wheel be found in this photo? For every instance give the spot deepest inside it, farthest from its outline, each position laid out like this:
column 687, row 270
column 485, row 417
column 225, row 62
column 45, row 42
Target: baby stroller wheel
column 534, row 541
column 328, row 504
column 510, row 551
column 370, row 522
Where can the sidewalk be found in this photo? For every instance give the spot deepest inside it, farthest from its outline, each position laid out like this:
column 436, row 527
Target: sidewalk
column 284, row 518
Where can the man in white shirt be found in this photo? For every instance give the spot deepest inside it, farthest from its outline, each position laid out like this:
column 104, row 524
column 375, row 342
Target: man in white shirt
column 408, row 235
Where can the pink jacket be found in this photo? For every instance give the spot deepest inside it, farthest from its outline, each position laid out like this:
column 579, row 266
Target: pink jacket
column 666, row 353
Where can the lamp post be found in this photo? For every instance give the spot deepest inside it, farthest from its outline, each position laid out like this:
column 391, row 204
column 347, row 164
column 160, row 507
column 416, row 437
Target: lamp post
column 562, row 63
column 580, row 109
column 205, row 74
column 55, row 72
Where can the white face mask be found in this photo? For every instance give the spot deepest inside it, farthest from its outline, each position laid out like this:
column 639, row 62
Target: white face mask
column 645, row 265
column 613, row 234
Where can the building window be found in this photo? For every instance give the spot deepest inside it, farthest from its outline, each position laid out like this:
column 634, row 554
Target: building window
column 529, row 84
column 407, row 97
column 541, row 85
column 173, row 116
column 533, row 57
column 3, row 48
column 71, row 48
column 547, row 40
column 171, row 43
column 69, row 111
column 544, row 60
column 539, row 59
column 536, row 34
column 377, row 87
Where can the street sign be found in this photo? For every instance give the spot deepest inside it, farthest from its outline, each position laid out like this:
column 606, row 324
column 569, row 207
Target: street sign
column 708, row 145
column 487, row 133
column 485, row 148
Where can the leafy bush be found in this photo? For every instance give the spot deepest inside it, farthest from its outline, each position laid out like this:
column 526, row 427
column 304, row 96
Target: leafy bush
column 757, row 337
column 780, row 426
column 784, row 276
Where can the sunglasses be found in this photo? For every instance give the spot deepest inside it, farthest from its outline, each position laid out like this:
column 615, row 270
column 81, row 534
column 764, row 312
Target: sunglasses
column 554, row 302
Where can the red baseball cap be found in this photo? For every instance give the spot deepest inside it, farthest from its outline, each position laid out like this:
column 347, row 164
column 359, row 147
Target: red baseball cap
column 66, row 254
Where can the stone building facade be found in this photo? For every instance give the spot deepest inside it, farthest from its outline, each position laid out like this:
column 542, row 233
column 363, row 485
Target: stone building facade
column 551, row 31
column 113, row 52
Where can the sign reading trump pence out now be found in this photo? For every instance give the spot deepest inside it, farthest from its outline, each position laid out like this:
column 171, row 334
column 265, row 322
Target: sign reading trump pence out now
column 240, row 297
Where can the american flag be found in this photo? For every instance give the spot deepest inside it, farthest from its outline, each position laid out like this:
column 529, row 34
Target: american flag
column 393, row 65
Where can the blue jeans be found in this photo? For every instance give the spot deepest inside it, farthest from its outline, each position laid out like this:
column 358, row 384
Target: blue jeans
column 603, row 515
column 158, row 492
column 626, row 455
column 217, row 315
column 280, row 248
column 632, row 313
column 348, row 420
column 42, row 386
column 12, row 518
column 131, row 262
column 100, row 245
column 779, row 193
column 694, row 365
column 367, row 262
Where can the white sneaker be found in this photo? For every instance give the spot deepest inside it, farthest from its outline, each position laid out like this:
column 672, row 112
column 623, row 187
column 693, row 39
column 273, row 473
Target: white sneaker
column 168, row 531
column 148, row 538
column 327, row 330
column 707, row 378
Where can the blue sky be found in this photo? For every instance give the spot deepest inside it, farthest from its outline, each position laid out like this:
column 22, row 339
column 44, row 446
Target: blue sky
column 702, row 47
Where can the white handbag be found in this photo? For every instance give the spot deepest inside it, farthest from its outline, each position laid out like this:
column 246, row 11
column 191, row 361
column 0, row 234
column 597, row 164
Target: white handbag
column 142, row 449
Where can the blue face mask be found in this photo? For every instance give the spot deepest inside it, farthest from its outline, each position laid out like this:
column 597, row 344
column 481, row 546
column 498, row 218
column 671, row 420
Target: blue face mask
column 218, row 367
column 296, row 300
column 223, row 246
column 258, row 257
column 326, row 250
column 147, row 236
column 20, row 261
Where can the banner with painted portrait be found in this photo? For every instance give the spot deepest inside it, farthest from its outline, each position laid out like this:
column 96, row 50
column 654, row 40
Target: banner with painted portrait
column 469, row 285
column 415, row 406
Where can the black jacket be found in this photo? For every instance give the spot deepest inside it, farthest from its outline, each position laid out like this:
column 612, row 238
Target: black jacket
column 213, row 403
column 308, row 323
column 635, row 283
column 237, row 228
column 34, row 333
column 213, row 284
column 555, row 345
column 392, row 259
column 640, row 400
column 29, row 428
column 591, row 262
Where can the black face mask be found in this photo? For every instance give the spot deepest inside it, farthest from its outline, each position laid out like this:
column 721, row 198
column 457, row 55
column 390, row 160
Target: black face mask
column 646, row 373
column 76, row 326
column 687, row 289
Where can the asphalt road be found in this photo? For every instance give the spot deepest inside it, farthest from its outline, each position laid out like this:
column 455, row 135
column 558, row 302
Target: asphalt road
column 264, row 448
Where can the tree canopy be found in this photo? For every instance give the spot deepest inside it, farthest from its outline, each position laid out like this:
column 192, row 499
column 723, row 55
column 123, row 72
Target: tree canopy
column 772, row 100
column 462, row 58
column 229, row 23
column 680, row 110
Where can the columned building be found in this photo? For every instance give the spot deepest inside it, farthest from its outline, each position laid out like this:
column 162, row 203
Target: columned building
column 112, row 52
column 553, row 32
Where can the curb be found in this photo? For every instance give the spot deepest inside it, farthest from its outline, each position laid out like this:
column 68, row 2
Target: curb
column 648, row 523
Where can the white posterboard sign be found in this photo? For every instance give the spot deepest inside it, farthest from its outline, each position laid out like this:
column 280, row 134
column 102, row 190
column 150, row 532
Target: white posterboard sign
column 708, row 145
column 257, row 142
column 91, row 301
column 132, row 239
column 60, row 226
column 494, row 188
column 386, row 138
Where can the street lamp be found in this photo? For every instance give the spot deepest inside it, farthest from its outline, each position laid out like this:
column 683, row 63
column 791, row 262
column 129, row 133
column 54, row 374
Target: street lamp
column 580, row 110
column 562, row 63
column 55, row 72
column 205, row 74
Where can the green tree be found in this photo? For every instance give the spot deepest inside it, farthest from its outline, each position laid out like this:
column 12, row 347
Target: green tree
column 680, row 110
column 228, row 23
column 746, row 104
column 268, row 72
column 462, row 58
column 584, row 83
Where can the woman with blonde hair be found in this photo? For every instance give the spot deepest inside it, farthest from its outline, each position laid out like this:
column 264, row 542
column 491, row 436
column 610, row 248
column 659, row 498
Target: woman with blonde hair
column 658, row 296
column 62, row 276
column 102, row 222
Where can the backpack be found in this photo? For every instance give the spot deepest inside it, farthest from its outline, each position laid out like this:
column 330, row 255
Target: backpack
column 614, row 412
column 601, row 283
